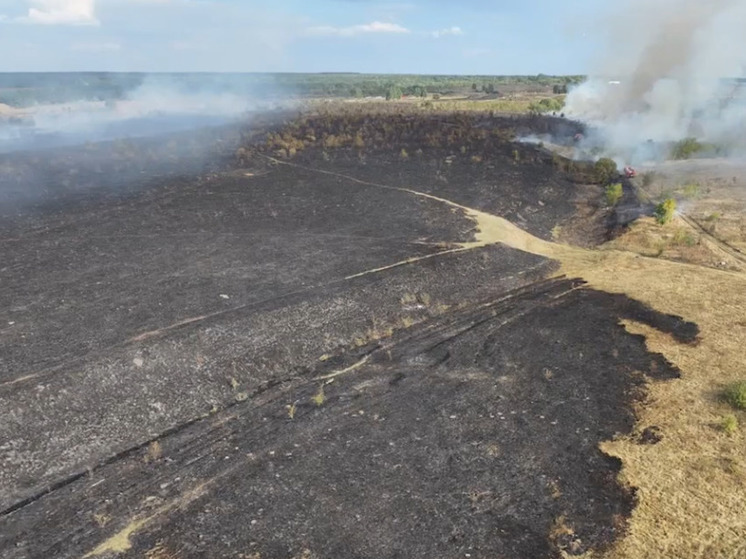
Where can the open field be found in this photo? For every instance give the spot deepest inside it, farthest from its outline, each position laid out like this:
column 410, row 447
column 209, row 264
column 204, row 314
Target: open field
column 362, row 332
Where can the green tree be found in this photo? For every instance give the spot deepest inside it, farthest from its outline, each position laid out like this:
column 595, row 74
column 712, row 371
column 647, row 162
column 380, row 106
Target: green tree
column 394, row 93
column 665, row 211
column 605, row 170
column 548, row 105
column 686, row 148
column 614, row 193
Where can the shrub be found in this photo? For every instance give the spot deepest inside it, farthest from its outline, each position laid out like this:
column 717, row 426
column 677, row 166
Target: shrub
column 614, row 193
column 552, row 104
column 605, row 170
column 319, row 398
column 729, row 424
column 394, row 93
column 664, row 211
column 684, row 237
column 735, row 395
column 686, row 148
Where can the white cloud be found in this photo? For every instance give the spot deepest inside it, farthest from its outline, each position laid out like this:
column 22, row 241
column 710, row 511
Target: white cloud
column 353, row 30
column 61, row 12
column 455, row 31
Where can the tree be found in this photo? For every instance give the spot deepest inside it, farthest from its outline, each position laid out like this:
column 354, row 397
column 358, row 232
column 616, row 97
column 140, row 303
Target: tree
column 614, row 193
column 605, row 170
column 548, row 105
column 474, row 86
column 393, row 93
column 665, row 211
column 686, row 148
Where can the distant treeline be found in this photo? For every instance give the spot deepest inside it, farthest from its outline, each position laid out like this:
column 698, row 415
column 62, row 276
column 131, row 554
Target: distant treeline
column 25, row 89
column 380, row 85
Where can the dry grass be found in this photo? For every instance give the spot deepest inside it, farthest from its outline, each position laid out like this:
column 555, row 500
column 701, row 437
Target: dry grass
column 691, row 484
column 675, row 241
column 155, row 452
column 319, row 398
column 514, row 104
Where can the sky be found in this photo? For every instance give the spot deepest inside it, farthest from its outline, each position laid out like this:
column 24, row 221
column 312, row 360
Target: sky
column 370, row 36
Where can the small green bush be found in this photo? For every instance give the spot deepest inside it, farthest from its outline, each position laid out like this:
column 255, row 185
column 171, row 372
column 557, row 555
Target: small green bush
column 665, row 211
column 729, row 424
column 605, row 170
column 735, row 395
column 684, row 237
column 614, row 193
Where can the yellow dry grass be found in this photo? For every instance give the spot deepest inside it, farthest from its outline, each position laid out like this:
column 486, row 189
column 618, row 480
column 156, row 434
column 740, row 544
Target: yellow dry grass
column 692, row 485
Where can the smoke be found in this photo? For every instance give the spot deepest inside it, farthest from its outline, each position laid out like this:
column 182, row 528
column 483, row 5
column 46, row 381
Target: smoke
column 114, row 139
column 159, row 105
column 669, row 72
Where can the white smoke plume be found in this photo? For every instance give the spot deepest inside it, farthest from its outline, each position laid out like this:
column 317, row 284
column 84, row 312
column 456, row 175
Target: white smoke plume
column 667, row 73
column 161, row 104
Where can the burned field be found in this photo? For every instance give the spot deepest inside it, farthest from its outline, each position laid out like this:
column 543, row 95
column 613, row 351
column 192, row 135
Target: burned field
column 309, row 348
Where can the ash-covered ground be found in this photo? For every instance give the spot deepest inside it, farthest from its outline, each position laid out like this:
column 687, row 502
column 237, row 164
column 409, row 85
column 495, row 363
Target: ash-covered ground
column 220, row 352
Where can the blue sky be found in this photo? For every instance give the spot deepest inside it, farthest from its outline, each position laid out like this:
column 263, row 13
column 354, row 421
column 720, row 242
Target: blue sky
column 383, row 36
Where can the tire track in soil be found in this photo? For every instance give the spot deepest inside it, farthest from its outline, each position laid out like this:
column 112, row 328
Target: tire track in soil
column 727, row 248
column 195, row 452
column 490, row 229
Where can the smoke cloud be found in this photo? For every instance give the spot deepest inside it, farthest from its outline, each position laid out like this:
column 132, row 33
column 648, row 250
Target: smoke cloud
column 159, row 105
column 112, row 133
column 670, row 71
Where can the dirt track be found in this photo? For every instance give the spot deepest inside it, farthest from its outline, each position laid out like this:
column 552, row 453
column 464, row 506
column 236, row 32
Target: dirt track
column 162, row 376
